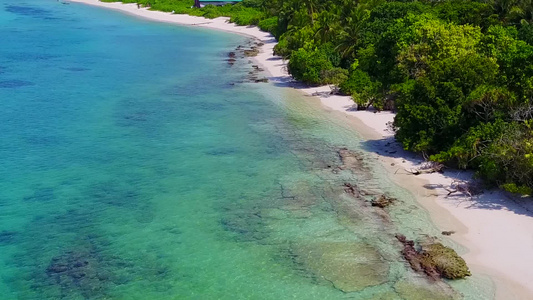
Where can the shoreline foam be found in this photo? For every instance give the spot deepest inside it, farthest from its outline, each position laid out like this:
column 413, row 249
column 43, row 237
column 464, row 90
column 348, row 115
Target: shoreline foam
column 497, row 230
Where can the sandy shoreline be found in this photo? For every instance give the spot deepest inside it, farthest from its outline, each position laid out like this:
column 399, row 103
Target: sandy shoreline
column 498, row 232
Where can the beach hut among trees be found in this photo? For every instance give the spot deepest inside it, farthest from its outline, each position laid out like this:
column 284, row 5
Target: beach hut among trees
column 202, row 3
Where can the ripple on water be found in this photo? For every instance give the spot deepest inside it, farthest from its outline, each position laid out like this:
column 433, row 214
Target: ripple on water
column 13, row 84
column 7, row 237
column 41, row 195
column 76, row 69
column 30, row 11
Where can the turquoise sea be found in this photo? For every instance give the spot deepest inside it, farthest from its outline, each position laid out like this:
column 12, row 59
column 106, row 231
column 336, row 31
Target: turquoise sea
column 137, row 164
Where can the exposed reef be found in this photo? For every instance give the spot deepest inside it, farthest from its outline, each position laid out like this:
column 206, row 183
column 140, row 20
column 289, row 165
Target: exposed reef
column 434, row 259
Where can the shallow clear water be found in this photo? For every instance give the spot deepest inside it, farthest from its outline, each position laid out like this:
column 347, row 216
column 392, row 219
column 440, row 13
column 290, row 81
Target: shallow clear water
column 133, row 168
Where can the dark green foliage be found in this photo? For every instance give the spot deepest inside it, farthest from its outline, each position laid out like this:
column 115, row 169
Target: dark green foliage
column 362, row 88
column 508, row 159
column 270, row 25
column 334, row 76
column 466, row 12
column 389, row 12
column 315, row 66
column 525, row 33
column 293, row 41
column 306, row 65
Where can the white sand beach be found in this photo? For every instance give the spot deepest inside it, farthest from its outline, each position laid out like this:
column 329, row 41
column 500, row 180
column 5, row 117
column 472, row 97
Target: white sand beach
column 497, row 230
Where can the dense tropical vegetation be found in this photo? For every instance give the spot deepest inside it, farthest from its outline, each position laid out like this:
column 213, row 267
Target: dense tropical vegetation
column 458, row 73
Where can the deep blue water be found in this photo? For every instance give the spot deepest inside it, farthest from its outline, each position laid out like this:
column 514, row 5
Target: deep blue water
column 132, row 167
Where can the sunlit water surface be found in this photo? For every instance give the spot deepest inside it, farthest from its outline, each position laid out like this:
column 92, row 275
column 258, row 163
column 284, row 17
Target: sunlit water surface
column 133, row 168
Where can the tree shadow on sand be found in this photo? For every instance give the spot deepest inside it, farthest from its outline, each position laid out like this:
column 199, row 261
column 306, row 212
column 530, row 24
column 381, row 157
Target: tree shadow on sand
column 489, row 199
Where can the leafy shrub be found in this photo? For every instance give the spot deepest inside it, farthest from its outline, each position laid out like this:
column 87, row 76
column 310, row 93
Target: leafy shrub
column 307, row 65
column 513, row 188
column 246, row 16
column 466, row 12
column 316, row 65
column 334, row 76
column 292, row 41
column 525, row 33
column 269, row 25
column 282, row 48
column 362, row 88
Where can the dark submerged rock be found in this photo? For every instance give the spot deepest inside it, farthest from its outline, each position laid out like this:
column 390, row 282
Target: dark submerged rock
column 383, row 201
column 77, row 271
column 41, row 194
column 450, row 232
column 351, row 189
column 250, row 53
column 7, row 237
column 351, row 160
column 248, row 225
column 10, row 84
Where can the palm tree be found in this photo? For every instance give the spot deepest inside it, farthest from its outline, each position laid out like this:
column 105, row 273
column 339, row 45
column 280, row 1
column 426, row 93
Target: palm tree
column 328, row 26
column 311, row 6
column 351, row 32
column 513, row 10
column 524, row 11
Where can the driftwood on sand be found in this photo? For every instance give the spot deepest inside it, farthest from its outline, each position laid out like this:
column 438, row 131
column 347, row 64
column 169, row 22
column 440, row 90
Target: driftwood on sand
column 464, row 187
column 427, row 167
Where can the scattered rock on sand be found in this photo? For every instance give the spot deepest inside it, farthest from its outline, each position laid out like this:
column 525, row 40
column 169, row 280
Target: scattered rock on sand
column 256, row 67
